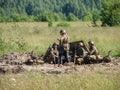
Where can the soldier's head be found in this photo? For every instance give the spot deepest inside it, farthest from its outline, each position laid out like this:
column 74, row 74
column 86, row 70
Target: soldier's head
column 91, row 43
column 80, row 44
column 55, row 45
column 62, row 32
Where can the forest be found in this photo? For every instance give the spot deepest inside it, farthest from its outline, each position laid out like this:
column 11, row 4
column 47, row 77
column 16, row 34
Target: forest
column 106, row 11
column 33, row 10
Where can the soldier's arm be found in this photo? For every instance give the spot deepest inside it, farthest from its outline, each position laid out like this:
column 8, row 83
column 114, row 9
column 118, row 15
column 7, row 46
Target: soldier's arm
column 93, row 51
column 57, row 54
column 58, row 39
column 52, row 52
column 83, row 53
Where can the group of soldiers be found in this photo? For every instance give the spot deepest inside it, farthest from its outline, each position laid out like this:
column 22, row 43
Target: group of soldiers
column 61, row 50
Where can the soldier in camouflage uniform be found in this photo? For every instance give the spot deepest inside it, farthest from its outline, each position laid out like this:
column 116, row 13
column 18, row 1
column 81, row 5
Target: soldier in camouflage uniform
column 93, row 52
column 63, row 47
column 54, row 53
column 80, row 53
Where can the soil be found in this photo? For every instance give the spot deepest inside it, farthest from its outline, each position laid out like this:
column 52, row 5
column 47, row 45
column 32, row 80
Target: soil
column 17, row 63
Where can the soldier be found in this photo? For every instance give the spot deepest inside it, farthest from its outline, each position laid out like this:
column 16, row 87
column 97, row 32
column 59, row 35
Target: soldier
column 54, row 53
column 80, row 53
column 63, row 47
column 93, row 52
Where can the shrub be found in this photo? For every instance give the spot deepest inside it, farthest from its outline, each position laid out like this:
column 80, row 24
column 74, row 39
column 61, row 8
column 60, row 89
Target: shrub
column 50, row 23
column 63, row 24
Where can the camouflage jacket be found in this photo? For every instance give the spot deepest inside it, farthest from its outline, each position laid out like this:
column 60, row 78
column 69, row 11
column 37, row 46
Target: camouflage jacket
column 80, row 52
column 54, row 52
column 66, row 46
column 63, row 39
column 63, row 43
column 93, row 50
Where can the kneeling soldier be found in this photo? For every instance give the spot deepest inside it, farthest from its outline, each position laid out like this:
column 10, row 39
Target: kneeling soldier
column 80, row 53
column 54, row 53
column 93, row 52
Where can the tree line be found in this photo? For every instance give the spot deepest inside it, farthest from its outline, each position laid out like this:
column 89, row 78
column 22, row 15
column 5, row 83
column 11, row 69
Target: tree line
column 41, row 10
column 58, row 10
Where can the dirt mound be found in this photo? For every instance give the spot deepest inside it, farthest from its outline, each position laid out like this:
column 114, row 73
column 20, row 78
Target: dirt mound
column 8, row 69
column 13, row 62
column 21, row 58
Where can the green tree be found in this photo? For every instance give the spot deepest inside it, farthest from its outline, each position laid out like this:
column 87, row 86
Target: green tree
column 56, row 17
column 29, row 8
column 44, row 17
column 87, row 16
column 38, row 7
column 110, row 13
column 72, row 17
column 95, row 16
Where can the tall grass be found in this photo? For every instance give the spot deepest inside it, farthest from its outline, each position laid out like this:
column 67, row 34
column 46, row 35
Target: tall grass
column 81, row 81
column 39, row 36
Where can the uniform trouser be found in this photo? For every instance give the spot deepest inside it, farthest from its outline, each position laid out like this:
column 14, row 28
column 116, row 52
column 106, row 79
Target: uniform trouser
column 66, row 55
column 55, row 59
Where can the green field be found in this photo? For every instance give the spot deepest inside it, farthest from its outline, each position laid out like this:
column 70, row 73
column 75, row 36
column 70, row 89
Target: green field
column 38, row 36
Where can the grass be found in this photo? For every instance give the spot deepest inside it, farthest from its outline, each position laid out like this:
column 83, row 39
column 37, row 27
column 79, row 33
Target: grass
column 82, row 81
column 39, row 36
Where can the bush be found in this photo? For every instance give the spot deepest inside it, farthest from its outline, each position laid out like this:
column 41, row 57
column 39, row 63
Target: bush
column 63, row 24
column 87, row 16
column 72, row 17
column 50, row 23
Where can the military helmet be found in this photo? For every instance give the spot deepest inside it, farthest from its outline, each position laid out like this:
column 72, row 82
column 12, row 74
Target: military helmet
column 55, row 44
column 81, row 44
column 62, row 31
column 91, row 42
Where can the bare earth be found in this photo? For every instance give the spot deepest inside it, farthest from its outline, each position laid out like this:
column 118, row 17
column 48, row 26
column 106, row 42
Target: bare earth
column 113, row 66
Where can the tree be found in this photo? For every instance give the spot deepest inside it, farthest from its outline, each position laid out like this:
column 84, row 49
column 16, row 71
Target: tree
column 36, row 7
column 56, row 17
column 95, row 16
column 29, row 8
column 110, row 13
column 87, row 16
column 68, row 8
column 72, row 17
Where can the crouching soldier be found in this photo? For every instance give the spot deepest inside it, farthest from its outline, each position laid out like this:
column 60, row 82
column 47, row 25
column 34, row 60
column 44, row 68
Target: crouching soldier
column 80, row 53
column 93, row 52
column 54, row 53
